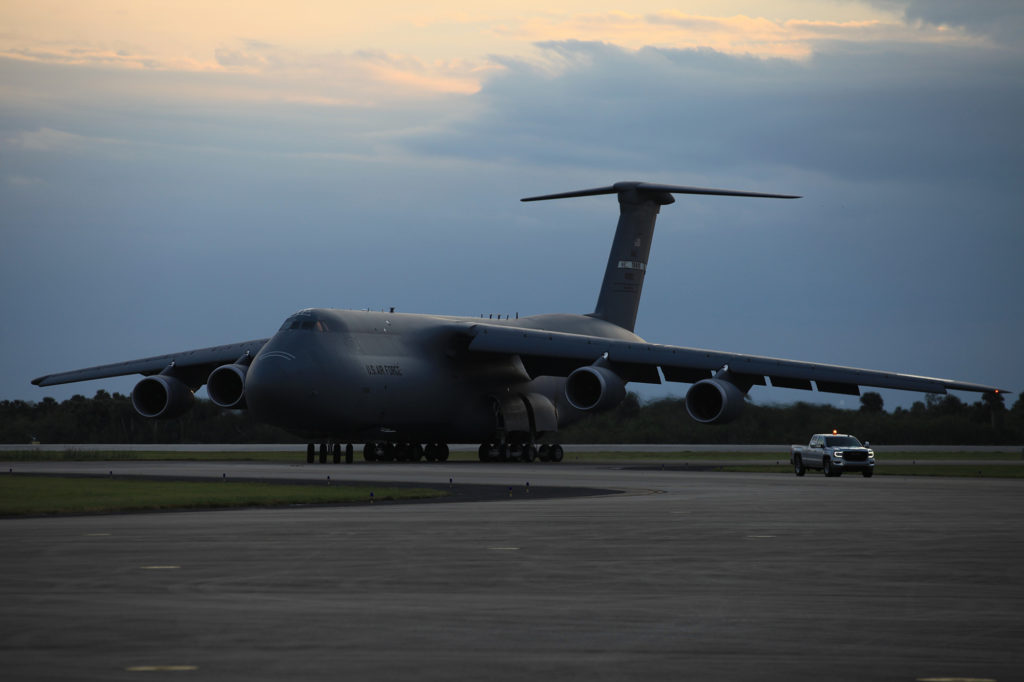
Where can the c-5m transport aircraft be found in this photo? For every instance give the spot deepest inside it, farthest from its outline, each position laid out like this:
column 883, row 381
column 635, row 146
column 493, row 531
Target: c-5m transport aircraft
column 407, row 385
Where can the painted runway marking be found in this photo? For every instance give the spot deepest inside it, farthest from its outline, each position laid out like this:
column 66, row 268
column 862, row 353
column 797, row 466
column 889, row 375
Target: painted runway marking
column 160, row 668
column 503, row 549
column 158, row 568
column 97, row 535
column 760, row 536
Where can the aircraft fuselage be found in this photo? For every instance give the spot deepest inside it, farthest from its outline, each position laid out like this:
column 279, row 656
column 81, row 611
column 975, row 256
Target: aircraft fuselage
column 359, row 376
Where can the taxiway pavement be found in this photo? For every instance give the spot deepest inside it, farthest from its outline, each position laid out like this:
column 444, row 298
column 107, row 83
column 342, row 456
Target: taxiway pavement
column 683, row 575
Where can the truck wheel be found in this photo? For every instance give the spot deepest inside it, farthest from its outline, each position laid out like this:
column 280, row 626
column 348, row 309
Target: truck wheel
column 826, row 467
column 868, row 473
column 798, row 466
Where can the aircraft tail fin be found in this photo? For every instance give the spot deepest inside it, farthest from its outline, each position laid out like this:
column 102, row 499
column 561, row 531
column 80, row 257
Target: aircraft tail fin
column 639, row 204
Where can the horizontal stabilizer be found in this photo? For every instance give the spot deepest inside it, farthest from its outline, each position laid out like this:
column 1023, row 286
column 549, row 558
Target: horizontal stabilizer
column 652, row 187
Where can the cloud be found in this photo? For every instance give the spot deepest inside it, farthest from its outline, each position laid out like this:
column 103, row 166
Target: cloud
column 1002, row 20
column 737, row 35
column 83, row 54
column 368, row 77
column 910, row 112
column 50, row 140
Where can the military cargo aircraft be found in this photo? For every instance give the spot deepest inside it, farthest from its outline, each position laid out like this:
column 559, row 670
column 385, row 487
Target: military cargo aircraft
column 408, row 385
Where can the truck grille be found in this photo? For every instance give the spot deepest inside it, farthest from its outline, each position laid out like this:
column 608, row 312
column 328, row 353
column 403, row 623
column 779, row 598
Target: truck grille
column 855, row 456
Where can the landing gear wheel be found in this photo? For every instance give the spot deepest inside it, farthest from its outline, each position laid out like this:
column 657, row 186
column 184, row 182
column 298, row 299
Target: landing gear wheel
column 544, row 454
column 442, row 452
column 529, row 452
column 336, row 453
column 349, row 451
column 310, row 453
column 557, row 453
column 515, row 452
column 798, row 466
column 484, row 452
column 323, row 453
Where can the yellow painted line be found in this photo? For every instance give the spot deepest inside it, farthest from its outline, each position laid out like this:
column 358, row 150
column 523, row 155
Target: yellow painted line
column 160, row 668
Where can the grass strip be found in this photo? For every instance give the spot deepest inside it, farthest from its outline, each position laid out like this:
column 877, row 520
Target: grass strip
column 952, row 470
column 82, row 455
column 32, row 495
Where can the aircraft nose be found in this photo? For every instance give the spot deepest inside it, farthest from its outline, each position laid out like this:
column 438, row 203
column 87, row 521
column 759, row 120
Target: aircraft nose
column 273, row 389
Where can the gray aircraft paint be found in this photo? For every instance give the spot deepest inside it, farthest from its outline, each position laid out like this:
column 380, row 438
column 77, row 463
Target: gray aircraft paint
column 360, row 376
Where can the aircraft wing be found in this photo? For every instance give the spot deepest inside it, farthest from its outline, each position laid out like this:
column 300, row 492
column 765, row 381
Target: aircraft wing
column 193, row 366
column 559, row 353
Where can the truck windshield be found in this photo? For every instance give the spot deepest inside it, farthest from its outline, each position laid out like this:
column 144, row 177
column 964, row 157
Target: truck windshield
column 842, row 442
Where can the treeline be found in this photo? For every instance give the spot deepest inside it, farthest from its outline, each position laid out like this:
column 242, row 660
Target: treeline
column 936, row 420
column 107, row 418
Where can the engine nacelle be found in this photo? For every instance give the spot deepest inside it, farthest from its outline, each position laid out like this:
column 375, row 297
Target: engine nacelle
column 594, row 388
column 162, row 397
column 226, row 386
column 714, row 401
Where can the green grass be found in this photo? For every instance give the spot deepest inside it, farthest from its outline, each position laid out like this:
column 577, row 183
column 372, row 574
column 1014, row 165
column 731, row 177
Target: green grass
column 81, row 455
column 780, row 456
column 954, row 470
column 28, row 495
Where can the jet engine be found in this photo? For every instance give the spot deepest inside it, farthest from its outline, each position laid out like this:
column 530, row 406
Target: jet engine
column 162, row 397
column 226, row 386
column 714, row 401
column 594, row 388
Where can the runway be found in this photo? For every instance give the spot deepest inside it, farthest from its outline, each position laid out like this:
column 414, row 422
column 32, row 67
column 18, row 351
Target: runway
column 682, row 575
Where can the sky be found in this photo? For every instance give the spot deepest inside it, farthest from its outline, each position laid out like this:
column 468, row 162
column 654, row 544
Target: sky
column 187, row 174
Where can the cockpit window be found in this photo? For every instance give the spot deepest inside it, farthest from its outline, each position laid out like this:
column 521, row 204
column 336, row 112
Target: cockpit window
column 307, row 322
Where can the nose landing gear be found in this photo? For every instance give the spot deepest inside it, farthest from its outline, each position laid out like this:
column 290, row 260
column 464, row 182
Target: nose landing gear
column 335, row 448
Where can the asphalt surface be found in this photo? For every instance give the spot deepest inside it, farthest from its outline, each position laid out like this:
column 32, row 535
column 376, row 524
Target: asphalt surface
column 682, row 575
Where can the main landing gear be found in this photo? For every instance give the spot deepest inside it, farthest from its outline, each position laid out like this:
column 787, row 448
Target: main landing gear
column 382, row 451
column 334, row 448
column 519, row 452
column 405, row 452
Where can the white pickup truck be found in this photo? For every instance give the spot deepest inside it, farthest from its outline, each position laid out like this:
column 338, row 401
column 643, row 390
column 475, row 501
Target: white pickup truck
column 833, row 453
